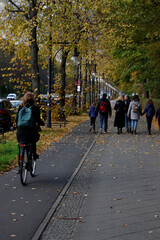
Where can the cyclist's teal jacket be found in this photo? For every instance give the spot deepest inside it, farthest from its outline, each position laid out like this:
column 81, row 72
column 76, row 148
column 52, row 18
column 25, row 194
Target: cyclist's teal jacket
column 30, row 135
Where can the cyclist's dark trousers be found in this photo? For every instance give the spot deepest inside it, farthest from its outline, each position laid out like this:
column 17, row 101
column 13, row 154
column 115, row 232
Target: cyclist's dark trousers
column 159, row 122
column 93, row 121
column 149, row 122
column 34, row 150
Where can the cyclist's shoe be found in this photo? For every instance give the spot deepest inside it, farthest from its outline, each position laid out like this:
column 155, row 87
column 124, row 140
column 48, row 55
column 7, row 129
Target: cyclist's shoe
column 18, row 171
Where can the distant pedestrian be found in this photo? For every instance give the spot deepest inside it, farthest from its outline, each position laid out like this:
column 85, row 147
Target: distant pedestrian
column 93, row 112
column 134, row 112
column 127, row 119
column 119, row 120
column 104, row 108
column 149, row 110
column 158, row 116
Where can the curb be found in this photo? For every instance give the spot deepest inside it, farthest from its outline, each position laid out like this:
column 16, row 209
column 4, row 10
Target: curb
column 53, row 208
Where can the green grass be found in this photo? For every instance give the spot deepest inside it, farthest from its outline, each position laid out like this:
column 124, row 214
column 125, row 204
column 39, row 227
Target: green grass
column 8, row 153
column 9, row 145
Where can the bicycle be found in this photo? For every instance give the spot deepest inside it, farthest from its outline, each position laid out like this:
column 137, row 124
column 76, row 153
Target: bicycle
column 26, row 162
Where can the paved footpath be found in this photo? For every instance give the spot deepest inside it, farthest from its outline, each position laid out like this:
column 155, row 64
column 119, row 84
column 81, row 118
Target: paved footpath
column 116, row 193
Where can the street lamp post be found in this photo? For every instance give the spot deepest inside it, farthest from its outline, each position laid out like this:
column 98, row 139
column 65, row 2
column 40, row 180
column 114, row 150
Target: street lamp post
column 79, row 87
column 49, row 78
column 50, row 75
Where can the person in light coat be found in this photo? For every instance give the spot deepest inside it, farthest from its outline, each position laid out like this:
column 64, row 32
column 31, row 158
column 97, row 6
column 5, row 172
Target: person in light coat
column 134, row 112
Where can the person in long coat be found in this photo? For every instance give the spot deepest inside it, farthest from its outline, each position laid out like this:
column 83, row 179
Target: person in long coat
column 119, row 120
column 127, row 119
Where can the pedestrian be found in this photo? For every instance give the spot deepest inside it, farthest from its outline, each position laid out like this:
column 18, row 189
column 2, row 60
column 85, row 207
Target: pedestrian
column 158, row 116
column 29, row 134
column 149, row 110
column 104, row 108
column 127, row 119
column 120, row 108
column 134, row 112
column 93, row 112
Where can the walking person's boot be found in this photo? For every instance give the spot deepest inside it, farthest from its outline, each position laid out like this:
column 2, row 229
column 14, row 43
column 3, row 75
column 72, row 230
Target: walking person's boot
column 90, row 129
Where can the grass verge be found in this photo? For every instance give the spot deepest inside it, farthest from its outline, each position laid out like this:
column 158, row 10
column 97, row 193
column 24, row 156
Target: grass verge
column 9, row 145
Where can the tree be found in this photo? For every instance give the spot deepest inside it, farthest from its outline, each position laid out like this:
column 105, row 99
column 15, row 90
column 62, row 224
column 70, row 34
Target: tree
column 20, row 25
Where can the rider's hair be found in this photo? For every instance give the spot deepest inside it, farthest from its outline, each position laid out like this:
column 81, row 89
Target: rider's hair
column 28, row 98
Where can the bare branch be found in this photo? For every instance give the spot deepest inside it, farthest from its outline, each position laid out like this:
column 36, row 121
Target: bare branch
column 18, row 9
column 16, row 6
column 11, row 10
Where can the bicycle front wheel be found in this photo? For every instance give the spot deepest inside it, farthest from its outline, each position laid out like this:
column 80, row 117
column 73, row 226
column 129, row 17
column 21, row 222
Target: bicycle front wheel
column 23, row 168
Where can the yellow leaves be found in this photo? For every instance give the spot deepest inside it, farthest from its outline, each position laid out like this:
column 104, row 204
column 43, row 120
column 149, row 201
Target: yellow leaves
column 15, row 220
column 111, row 165
column 125, row 225
column 13, row 213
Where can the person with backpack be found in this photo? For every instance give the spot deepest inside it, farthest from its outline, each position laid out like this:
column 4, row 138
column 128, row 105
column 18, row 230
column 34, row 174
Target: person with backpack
column 120, row 108
column 104, row 108
column 93, row 114
column 158, row 116
column 134, row 112
column 28, row 122
column 149, row 110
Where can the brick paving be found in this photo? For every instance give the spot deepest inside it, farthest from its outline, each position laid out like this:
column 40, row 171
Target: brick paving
column 116, row 194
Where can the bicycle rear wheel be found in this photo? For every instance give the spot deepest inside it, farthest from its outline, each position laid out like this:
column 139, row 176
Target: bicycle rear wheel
column 23, row 168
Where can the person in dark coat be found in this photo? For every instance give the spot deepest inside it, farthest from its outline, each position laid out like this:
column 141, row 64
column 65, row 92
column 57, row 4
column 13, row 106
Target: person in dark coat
column 149, row 110
column 93, row 112
column 30, row 135
column 158, row 116
column 119, row 120
column 104, row 108
column 127, row 119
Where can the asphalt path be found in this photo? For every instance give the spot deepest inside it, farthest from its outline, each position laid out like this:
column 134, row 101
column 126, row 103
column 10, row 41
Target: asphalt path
column 24, row 208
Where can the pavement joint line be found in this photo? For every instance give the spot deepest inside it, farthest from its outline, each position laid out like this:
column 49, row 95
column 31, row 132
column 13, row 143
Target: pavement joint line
column 53, row 208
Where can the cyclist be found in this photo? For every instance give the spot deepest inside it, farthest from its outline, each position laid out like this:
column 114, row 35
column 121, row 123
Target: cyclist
column 30, row 135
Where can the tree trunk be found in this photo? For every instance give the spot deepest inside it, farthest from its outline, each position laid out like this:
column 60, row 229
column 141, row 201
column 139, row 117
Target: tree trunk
column 63, row 81
column 145, row 93
column 89, row 87
column 34, row 46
